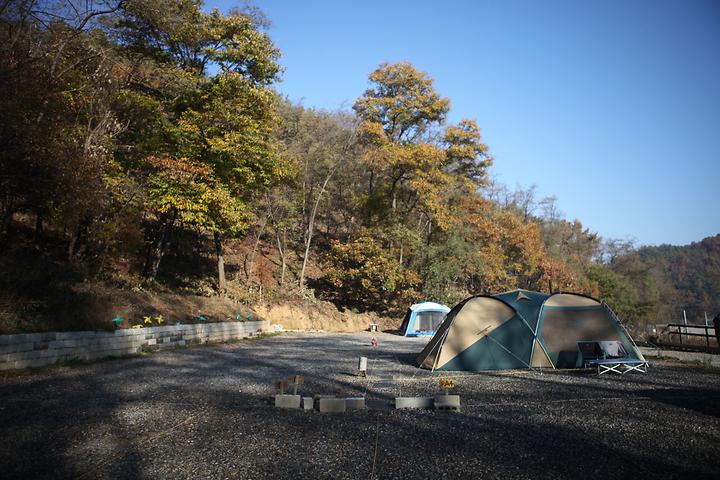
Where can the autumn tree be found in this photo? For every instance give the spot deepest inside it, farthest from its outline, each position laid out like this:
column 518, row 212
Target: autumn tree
column 219, row 124
column 59, row 71
column 366, row 277
column 467, row 156
column 416, row 173
column 405, row 169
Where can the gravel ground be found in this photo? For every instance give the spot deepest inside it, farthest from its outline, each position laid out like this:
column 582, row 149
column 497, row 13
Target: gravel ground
column 206, row 412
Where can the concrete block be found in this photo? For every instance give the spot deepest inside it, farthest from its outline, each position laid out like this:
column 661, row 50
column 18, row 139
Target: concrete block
column 51, row 353
column 308, row 403
column 447, row 402
column 181, row 343
column 38, row 362
column 7, row 366
column 15, row 347
column 66, row 343
column 76, row 335
column 70, row 357
column 41, row 345
column 27, row 338
column 287, row 401
column 21, row 356
column 152, row 341
column 414, row 402
column 332, row 405
column 357, row 403
column 121, row 352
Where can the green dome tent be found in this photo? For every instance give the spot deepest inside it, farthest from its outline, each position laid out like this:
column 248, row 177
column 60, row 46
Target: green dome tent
column 522, row 329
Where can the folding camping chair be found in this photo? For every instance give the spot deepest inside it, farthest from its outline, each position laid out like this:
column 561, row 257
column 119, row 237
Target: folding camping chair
column 609, row 357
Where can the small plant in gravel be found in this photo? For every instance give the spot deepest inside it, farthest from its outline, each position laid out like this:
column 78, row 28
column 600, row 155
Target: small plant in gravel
column 159, row 320
column 147, row 320
column 447, row 384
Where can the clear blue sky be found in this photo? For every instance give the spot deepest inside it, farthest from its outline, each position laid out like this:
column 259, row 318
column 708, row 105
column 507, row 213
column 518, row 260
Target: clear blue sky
column 612, row 106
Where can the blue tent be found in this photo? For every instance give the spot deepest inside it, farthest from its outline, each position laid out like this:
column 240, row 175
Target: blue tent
column 423, row 319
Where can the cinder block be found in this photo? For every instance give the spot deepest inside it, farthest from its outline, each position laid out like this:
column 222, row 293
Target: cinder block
column 308, row 403
column 357, row 403
column 414, row 402
column 27, row 337
column 121, row 352
column 22, row 356
column 38, row 362
column 75, row 335
column 16, row 347
column 447, row 402
column 287, row 401
column 51, row 352
column 68, row 357
column 63, row 344
column 152, row 341
column 181, row 343
column 332, row 405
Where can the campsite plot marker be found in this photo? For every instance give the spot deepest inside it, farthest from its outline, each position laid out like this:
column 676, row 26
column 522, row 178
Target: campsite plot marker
column 362, row 367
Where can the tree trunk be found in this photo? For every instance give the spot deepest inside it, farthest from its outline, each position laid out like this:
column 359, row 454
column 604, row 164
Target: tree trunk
column 220, row 262
column 282, row 255
column 249, row 269
column 38, row 224
column 157, row 251
column 73, row 242
column 311, row 226
column 5, row 225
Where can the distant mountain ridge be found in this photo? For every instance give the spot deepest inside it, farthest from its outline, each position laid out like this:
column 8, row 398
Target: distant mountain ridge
column 676, row 278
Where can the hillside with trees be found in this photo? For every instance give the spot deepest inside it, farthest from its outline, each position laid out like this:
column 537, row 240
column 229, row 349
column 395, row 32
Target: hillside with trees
column 148, row 159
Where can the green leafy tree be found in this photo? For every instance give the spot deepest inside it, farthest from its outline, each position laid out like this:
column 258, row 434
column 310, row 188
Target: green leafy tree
column 616, row 290
column 219, row 122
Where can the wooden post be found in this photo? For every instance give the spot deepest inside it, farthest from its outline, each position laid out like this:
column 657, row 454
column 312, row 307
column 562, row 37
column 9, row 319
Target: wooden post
column 707, row 335
column 297, row 381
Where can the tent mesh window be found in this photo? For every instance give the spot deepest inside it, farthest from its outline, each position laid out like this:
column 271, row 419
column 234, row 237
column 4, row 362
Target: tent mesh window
column 428, row 321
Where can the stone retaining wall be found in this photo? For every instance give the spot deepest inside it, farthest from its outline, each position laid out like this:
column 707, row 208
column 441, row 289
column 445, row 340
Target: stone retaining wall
column 39, row 349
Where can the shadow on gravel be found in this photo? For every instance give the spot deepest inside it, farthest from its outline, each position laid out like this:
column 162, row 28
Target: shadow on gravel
column 408, row 359
column 697, row 399
column 453, row 447
column 207, row 413
column 43, row 419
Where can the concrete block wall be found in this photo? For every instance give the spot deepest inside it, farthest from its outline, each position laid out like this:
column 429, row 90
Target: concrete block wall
column 30, row 350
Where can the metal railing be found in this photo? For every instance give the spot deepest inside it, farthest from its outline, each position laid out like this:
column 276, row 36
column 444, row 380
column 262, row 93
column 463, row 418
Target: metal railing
column 681, row 329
